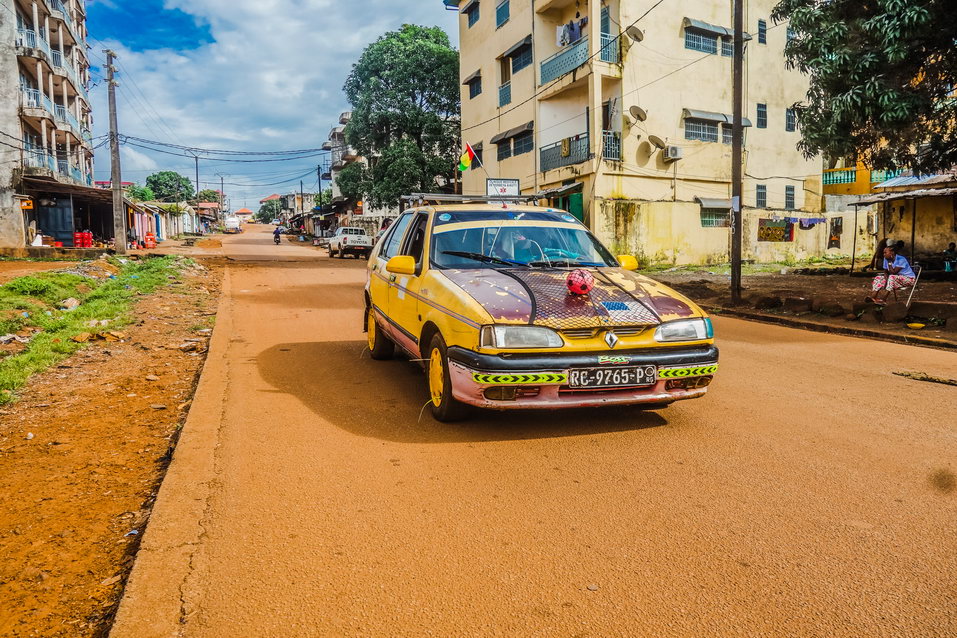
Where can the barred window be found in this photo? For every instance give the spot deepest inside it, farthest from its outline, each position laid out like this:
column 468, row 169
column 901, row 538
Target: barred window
column 701, row 130
column 475, row 88
column 790, row 120
column 761, row 196
column 521, row 59
column 727, row 134
column 715, row 218
column 473, row 14
column 727, row 47
column 789, row 197
column 762, row 116
column 524, row 142
column 697, row 41
column 504, row 149
column 762, row 32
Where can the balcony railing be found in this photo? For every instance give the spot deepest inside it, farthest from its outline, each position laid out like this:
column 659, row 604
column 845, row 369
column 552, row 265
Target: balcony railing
column 76, row 174
column 882, row 176
column 572, row 150
column 36, row 158
column 565, row 61
column 839, row 176
column 611, row 145
column 34, row 98
column 58, row 5
column 610, row 48
column 29, row 39
column 505, row 94
column 86, row 134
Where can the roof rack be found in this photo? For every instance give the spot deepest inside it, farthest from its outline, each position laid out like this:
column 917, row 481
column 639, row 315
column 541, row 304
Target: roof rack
column 468, row 199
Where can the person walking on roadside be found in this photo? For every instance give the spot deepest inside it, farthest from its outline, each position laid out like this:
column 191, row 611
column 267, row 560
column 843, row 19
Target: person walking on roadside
column 899, row 275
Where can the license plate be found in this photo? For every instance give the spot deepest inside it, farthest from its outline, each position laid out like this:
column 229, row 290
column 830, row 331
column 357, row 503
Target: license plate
column 612, row 377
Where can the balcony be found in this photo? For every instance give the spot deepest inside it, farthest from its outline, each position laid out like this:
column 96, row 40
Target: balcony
column 37, row 158
column 610, row 48
column 839, row 176
column 35, row 99
column 29, row 39
column 565, row 61
column 882, row 176
column 505, row 94
column 567, row 152
column 611, row 145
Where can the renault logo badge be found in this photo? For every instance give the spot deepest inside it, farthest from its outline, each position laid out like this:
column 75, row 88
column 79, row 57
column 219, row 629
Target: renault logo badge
column 611, row 339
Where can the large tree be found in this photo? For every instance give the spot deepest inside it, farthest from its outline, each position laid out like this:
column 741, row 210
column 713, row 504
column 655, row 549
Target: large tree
column 140, row 193
column 269, row 211
column 208, row 195
column 170, row 186
column 404, row 92
column 882, row 74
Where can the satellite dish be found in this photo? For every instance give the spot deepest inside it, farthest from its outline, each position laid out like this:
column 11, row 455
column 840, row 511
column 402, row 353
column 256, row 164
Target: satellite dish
column 628, row 121
column 657, row 141
column 635, row 34
column 638, row 113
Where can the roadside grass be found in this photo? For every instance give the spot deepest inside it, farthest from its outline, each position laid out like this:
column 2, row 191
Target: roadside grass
column 33, row 302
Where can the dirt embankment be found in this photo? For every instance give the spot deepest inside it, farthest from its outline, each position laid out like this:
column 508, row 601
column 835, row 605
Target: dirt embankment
column 82, row 454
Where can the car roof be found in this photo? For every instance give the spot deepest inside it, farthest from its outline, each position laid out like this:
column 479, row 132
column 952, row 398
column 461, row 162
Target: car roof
column 438, row 208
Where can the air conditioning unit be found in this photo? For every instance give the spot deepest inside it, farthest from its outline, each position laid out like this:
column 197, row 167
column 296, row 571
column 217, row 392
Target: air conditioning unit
column 672, row 153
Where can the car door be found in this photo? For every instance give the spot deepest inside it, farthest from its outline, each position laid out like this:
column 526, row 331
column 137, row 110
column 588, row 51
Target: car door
column 379, row 279
column 404, row 291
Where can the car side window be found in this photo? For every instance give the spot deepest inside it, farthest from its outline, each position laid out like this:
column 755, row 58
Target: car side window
column 393, row 241
column 415, row 243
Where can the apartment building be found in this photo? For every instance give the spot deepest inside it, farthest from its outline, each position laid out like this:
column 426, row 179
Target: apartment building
column 46, row 160
column 620, row 112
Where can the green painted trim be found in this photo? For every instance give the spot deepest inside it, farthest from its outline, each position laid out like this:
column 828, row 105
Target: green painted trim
column 681, row 373
column 536, row 378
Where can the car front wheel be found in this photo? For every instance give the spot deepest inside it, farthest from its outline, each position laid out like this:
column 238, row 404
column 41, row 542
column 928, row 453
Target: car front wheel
column 445, row 407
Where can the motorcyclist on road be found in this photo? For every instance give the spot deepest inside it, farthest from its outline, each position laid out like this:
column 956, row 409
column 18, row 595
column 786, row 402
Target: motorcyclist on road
column 277, row 234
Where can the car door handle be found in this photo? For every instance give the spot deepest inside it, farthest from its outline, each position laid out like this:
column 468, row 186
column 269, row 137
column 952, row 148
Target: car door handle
column 392, row 278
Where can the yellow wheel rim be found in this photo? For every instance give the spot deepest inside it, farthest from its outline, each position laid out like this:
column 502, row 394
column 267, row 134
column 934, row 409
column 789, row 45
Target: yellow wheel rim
column 370, row 328
column 436, row 376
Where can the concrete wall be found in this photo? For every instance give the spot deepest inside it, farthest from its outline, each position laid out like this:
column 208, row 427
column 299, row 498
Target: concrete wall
column 672, row 233
column 11, row 217
column 936, row 223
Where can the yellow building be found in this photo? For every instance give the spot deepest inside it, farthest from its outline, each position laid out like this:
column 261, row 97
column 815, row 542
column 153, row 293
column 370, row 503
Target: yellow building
column 621, row 110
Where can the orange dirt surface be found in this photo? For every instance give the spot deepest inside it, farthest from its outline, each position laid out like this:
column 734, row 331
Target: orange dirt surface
column 209, row 243
column 13, row 269
column 82, row 454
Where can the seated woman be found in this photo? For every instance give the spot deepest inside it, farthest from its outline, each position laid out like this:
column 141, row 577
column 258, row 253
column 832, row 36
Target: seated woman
column 899, row 275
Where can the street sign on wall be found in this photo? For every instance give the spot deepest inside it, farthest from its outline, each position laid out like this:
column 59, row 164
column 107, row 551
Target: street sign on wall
column 502, row 187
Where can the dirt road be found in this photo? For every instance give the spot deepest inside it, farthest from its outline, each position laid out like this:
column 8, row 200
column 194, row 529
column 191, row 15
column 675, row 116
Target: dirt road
column 811, row 493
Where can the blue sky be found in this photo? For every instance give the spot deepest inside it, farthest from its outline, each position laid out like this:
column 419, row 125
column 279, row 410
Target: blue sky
column 236, row 74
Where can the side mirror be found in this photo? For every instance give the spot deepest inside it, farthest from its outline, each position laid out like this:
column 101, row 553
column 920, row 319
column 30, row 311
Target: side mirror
column 628, row 262
column 403, row 265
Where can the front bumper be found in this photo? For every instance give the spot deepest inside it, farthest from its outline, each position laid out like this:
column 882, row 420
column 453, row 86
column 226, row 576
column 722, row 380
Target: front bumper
column 540, row 380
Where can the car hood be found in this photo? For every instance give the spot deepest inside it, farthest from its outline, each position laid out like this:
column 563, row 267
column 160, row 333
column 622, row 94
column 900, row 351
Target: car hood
column 541, row 297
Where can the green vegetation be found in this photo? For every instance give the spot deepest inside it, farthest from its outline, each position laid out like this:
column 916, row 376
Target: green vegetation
column 140, row 193
column 882, row 77
column 404, row 92
column 33, row 302
column 268, row 211
column 170, row 186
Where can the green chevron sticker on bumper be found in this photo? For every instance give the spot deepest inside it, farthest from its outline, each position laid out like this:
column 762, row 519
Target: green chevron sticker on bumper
column 680, row 373
column 520, row 378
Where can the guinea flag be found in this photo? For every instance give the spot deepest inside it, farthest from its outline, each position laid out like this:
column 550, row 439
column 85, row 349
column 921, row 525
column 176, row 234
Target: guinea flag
column 465, row 162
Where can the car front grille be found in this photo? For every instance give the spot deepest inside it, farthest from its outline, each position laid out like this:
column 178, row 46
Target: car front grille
column 580, row 333
column 588, row 333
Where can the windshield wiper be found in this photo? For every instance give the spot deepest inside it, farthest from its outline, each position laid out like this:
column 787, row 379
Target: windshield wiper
column 480, row 257
column 564, row 262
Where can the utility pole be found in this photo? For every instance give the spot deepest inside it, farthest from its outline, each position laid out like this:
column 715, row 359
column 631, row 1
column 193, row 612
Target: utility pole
column 222, row 194
column 196, row 157
column 119, row 209
column 737, row 133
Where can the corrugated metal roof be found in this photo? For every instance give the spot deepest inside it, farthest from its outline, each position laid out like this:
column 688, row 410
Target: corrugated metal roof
column 914, row 180
column 918, row 193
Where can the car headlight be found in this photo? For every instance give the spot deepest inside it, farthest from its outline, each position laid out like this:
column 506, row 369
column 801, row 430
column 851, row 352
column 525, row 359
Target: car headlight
column 685, row 330
column 506, row 337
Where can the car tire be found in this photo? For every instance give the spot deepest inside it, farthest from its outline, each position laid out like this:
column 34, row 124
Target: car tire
column 380, row 347
column 445, row 408
column 341, row 254
column 331, row 252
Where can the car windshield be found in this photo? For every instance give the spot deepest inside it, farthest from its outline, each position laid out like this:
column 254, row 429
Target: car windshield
column 524, row 245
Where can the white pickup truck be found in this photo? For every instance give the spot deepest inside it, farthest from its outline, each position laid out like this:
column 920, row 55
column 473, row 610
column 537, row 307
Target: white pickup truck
column 349, row 240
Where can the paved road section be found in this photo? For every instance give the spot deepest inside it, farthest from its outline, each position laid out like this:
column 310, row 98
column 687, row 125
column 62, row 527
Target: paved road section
column 811, row 493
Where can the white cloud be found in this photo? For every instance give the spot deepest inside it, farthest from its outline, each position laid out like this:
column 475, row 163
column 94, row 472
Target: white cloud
column 271, row 79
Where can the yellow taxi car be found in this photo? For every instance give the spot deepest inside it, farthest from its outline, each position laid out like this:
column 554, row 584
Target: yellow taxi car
column 482, row 296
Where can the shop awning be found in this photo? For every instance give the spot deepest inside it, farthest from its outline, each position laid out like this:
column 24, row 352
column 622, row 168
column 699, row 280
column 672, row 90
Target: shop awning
column 473, row 77
column 711, row 116
column 712, row 202
column 560, row 191
column 518, row 46
column 509, row 134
